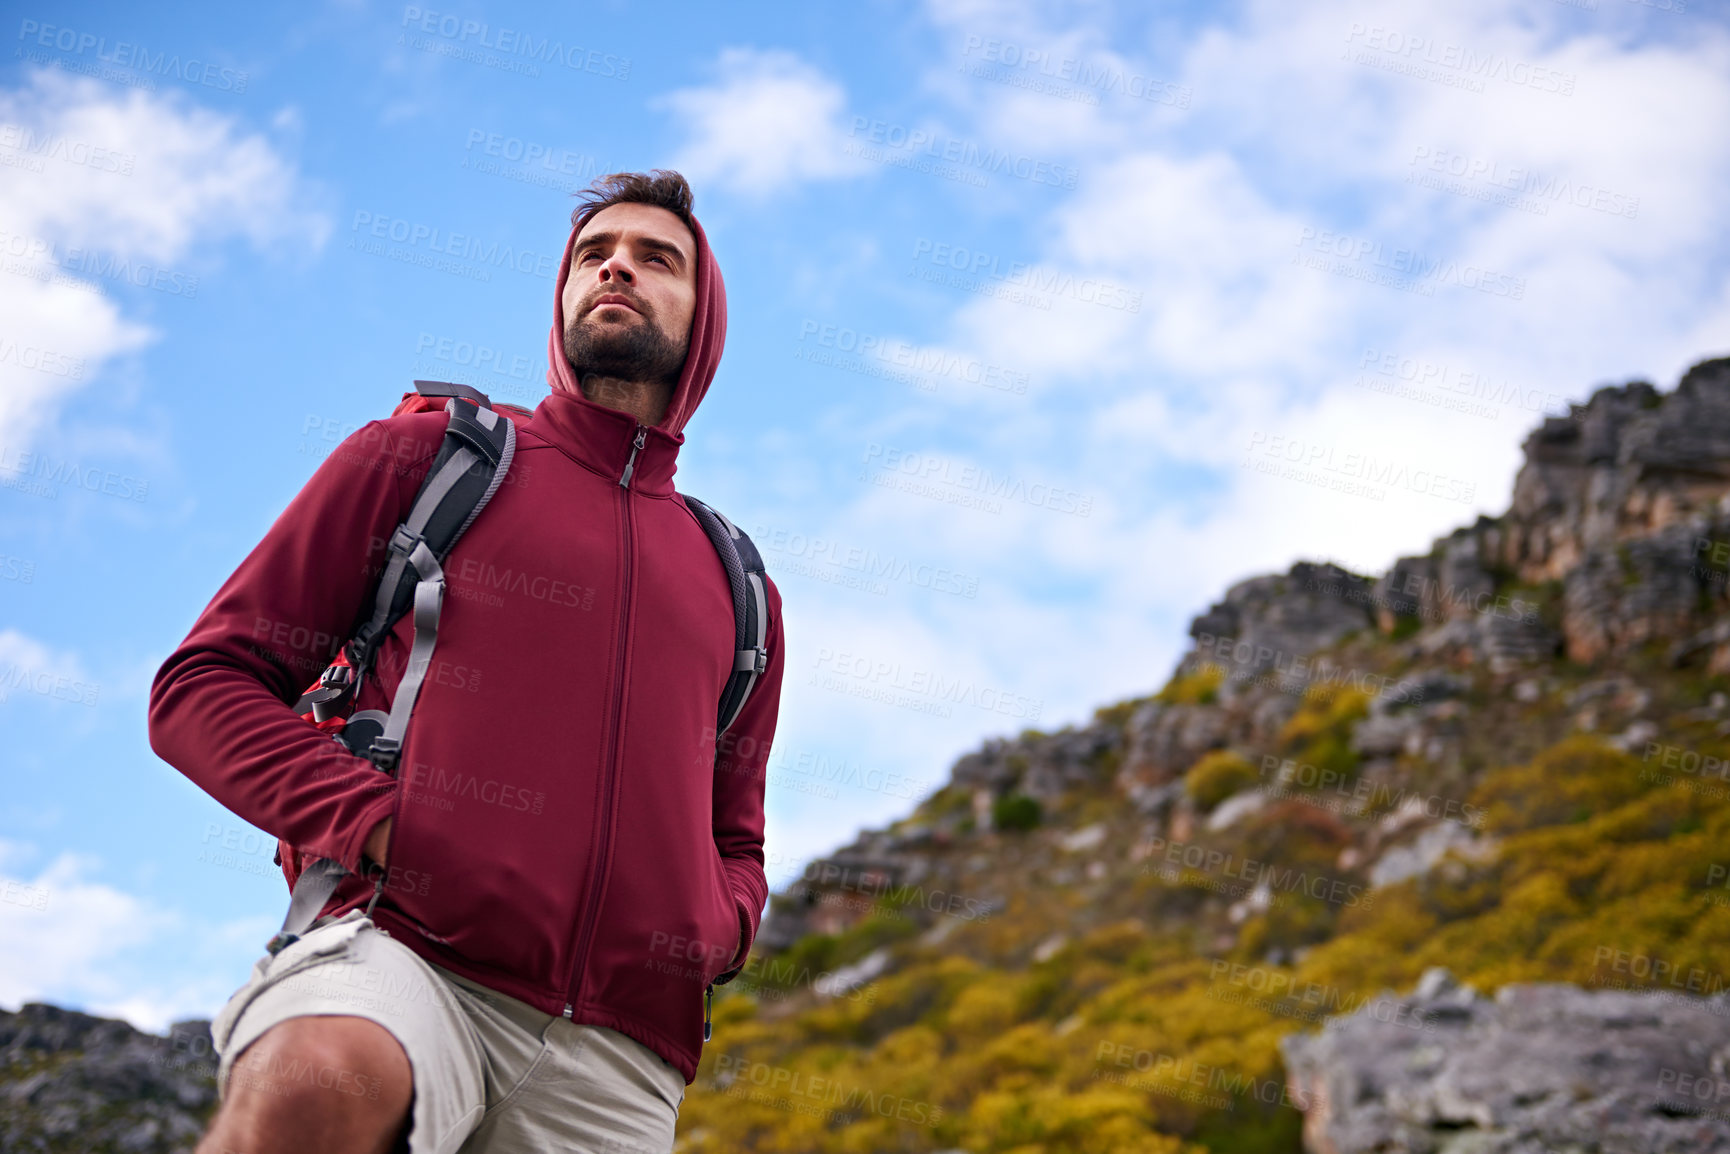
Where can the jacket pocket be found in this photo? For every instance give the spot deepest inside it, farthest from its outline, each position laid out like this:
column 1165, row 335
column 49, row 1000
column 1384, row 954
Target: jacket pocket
column 725, row 942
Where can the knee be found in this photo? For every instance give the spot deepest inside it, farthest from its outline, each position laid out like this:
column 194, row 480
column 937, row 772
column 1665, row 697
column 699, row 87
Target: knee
column 329, row 1064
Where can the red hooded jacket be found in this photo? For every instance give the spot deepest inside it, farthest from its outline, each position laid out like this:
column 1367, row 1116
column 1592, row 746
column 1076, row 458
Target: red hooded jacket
column 564, row 832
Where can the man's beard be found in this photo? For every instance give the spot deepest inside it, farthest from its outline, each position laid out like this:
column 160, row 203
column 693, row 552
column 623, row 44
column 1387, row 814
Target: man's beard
column 630, row 352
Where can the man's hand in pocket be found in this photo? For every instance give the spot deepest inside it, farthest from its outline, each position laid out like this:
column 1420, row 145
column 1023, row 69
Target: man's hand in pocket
column 377, row 842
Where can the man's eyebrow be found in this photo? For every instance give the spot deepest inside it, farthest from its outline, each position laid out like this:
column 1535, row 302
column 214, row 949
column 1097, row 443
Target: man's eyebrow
column 654, row 244
column 598, row 238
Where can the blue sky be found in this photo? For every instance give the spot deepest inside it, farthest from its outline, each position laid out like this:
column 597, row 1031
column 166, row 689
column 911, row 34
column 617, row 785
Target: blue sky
column 1047, row 322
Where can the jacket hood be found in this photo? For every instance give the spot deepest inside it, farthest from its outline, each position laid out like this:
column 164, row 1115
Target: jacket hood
column 708, row 336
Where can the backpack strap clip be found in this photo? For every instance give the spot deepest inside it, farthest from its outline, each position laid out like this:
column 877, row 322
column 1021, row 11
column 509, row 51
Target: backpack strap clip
column 404, row 541
column 384, row 751
column 336, row 685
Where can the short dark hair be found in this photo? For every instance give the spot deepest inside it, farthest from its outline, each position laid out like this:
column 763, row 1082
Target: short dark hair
column 661, row 187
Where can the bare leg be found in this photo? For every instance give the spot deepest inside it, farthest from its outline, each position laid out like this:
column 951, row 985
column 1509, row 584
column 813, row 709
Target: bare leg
column 329, row 1082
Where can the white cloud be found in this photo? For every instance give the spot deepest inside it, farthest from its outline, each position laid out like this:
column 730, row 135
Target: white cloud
column 69, row 939
column 1203, row 218
column 1154, row 411
column 31, row 672
column 769, row 121
column 99, row 186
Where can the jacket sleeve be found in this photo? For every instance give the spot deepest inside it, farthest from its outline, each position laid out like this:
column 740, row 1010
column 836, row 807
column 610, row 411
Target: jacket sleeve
column 741, row 771
column 220, row 706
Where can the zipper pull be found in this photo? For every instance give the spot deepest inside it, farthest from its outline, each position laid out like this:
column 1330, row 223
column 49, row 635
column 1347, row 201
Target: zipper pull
column 567, row 1009
column 708, row 1000
column 631, row 463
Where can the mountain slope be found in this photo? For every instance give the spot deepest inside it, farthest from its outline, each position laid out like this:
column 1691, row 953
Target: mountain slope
column 1507, row 757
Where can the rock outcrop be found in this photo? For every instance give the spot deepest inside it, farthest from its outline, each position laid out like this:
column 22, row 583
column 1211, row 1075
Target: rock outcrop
column 1280, row 619
column 70, row 1081
column 1626, row 503
column 1538, row 1069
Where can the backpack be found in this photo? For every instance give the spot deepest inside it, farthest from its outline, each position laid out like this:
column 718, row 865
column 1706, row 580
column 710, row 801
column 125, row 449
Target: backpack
column 479, row 443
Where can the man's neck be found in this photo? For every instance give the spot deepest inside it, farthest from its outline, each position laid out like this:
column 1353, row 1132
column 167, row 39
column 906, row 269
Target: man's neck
column 644, row 400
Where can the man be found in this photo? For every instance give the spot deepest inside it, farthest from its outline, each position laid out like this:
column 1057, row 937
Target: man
column 567, row 866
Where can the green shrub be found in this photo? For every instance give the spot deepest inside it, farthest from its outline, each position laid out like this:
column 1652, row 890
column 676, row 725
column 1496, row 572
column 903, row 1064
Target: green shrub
column 1117, row 716
column 1405, row 627
column 1016, row 811
column 1326, row 711
column 1217, row 776
column 1198, row 688
column 1320, row 732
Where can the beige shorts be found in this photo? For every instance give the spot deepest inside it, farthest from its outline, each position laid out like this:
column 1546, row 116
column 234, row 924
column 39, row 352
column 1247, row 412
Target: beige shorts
column 491, row 1073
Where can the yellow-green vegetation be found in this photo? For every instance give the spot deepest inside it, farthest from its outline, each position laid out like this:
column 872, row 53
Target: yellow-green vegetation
column 1217, row 776
column 1199, row 687
column 1319, row 733
column 1601, row 860
column 1118, row 715
column 1133, row 1038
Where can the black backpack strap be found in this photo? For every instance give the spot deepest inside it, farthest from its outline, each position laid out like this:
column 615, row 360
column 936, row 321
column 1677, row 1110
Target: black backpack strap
column 745, row 578
column 744, row 566
column 749, row 589
column 471, row 465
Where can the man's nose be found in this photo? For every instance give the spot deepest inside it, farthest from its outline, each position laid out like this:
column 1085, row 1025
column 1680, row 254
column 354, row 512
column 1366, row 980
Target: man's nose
column 616, row 267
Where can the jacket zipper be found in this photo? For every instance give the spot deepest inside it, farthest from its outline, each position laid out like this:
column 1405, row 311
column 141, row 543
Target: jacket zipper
column 586, row 930
column 631, row 462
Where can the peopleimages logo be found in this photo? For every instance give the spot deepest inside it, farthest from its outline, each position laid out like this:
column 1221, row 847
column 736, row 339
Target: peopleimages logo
column 508, row 42
column 903, row 355
column 967, row 153
column 1528, row 190
column 926, row 470
column 1413, row 266
column 886, row 677
column 1025, row 274
column 1295, row 458
column 38, row 146
column 1073, row 70
column 1449, row 63
column 18, row 467
column 432, row 242
column 528, row 161
column 864, row 560
column 135, row 56
column 45, row 683
column 88, row 262
column 1467, row 384
column 480, row 358
column 41, row 360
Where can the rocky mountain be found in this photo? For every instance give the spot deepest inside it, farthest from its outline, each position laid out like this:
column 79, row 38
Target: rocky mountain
column 1617, row 539
column 1342, row 758
column 72, row 1082
column 1429, row 861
